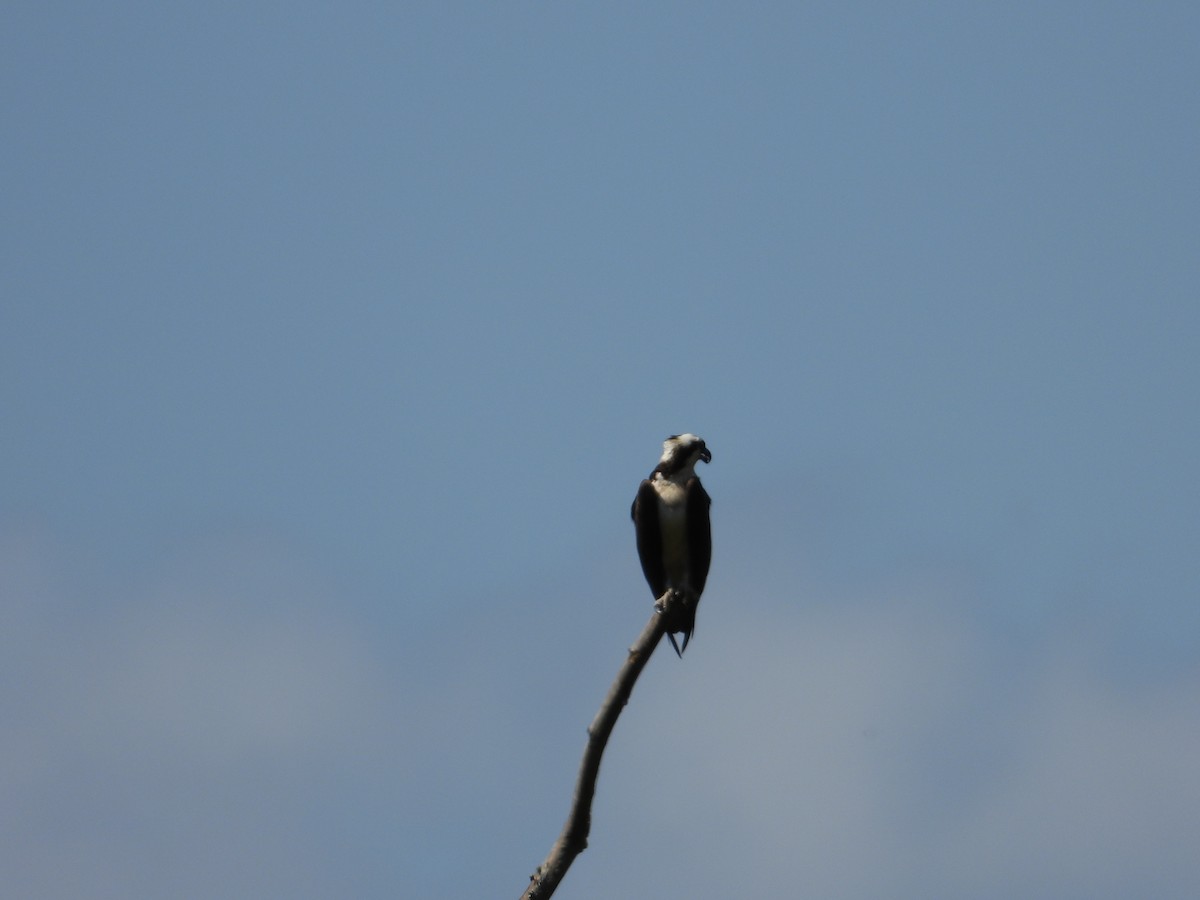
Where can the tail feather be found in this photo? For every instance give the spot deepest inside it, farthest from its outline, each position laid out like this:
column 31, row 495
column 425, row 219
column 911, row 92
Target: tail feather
column 680, row 608
column 671, row 638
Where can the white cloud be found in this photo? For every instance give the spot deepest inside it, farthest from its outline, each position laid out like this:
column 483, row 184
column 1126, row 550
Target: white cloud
column 1104, row 798
column 223, row 730
column 891, row 751
column 182, row 738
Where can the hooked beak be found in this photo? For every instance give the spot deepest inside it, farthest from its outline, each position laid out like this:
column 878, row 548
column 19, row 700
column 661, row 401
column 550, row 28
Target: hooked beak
column 706, row 455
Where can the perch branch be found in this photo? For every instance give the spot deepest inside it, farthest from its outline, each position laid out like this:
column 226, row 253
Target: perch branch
column 573, row 839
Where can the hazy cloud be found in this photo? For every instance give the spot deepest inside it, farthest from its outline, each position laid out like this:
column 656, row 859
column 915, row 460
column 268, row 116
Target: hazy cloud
column 891, row 752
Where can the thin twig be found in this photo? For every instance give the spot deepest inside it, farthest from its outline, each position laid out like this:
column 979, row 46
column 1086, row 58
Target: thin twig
column 573, row 839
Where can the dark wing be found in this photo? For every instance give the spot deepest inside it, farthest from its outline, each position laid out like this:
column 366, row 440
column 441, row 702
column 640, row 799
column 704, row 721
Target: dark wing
column 649, row 538
column 699, row 541
column 699, row 534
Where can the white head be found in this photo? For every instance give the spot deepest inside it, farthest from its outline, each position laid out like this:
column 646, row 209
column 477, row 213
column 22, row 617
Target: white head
column 680, row 454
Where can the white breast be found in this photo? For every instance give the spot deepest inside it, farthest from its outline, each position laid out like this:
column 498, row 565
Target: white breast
column 672, row 525
column 670, row 493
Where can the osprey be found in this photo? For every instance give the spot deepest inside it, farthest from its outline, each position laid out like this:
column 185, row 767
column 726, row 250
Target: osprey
column 674, row 540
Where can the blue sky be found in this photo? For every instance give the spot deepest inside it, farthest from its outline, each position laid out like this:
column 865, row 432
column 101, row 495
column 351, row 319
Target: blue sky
column 334, row 341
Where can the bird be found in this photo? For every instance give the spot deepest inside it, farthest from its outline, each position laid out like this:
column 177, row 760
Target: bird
column 674, row 537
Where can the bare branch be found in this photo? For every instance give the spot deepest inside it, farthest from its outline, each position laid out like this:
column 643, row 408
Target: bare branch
column 573, row 839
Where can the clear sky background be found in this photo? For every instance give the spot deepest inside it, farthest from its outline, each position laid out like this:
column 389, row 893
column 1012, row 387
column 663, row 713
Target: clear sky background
column 335, row 339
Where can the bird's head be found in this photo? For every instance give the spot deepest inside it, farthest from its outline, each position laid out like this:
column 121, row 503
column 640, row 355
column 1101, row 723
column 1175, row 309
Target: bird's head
column 680, row 454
